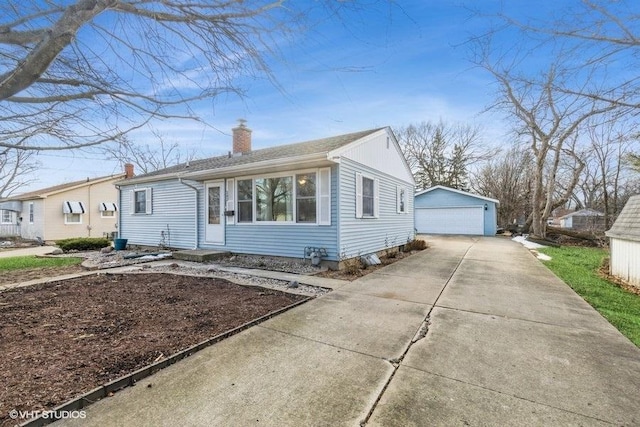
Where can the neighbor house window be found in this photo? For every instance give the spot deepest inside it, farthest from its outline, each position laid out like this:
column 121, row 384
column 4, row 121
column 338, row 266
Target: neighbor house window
column 366, row 196
column 107, row 209
column 245, row 200
column 73, row 218
column 31, row 213
column 141, row 201
column 6, row 217
column 306, row 198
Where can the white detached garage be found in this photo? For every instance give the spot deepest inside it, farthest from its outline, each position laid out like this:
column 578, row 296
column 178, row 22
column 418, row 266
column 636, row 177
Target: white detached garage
column 444, row 210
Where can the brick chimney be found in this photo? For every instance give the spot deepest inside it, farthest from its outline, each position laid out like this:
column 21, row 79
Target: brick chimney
column 241, row 138
column 128, row 170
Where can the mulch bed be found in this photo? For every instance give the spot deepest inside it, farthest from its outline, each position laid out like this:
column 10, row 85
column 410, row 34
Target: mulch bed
column 61, row 339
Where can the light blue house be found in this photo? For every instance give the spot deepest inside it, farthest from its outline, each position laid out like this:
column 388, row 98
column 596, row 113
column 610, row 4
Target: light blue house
column 343, row 196
column 444, row 210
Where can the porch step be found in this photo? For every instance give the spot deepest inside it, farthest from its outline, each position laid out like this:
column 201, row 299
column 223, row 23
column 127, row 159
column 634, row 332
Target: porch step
column 200, row 255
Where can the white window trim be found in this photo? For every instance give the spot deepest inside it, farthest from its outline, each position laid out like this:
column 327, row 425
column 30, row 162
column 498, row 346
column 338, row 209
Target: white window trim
column 148, row 201
column 359, row 195
column 102, row 214
column 291, row 174
column 32, row 213
column 67, row 222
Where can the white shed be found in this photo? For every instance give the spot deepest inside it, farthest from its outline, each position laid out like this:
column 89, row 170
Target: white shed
column 624, row 236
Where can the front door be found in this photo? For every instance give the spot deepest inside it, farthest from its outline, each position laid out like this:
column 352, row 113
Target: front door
column 214, row 232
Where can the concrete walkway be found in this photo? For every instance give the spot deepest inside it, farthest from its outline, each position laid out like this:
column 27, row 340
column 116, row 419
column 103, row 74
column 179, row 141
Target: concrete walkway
column 468, row 332
column 30, row 251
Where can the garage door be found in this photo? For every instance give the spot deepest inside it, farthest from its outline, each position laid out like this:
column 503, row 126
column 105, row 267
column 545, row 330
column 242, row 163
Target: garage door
column 460, row 220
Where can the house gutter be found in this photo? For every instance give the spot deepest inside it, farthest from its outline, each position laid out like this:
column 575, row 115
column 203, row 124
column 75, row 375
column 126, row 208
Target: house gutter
column 195, row 189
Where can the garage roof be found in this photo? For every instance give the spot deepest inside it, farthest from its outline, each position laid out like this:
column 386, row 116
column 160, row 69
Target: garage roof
column 453, row 190
column 627, row 226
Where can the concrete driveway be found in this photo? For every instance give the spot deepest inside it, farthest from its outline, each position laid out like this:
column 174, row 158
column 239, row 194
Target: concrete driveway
column 472, row 331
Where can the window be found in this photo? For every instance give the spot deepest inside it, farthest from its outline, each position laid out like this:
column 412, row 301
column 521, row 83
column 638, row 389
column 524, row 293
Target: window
column 107, row 209
column 7, row 218
column 73, row 218
column 245, row 200
column 306, row 198
column 31, row 213
column 367, row 199
column 274, row 199
column 401, row 193
column 141, row 201
column 301, row 198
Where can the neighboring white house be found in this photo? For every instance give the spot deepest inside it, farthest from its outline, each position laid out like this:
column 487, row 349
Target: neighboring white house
column 85, row 208
column 624, row 238
column 343, row 196
column 444, row 210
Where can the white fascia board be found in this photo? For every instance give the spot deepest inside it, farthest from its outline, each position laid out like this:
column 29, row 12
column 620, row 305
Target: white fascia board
column 453, row 190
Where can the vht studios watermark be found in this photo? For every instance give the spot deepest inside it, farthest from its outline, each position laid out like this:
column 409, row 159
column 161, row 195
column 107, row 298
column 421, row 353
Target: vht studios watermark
column 14, row 414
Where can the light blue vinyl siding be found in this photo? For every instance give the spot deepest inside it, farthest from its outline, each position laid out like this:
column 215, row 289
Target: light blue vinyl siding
column 173, row 212
column 359, row 236
column 441, row 198
column 288, row 240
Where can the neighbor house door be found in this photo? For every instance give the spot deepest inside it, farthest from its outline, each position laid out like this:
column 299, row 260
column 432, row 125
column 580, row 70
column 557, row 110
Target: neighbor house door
column 214, row 228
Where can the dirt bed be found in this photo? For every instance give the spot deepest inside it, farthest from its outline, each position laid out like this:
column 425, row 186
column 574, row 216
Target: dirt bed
column 18, row 276
column 61, row 339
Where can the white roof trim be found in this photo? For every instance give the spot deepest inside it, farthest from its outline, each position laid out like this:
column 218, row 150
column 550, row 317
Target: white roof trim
column 73, row 207
column 453, row 190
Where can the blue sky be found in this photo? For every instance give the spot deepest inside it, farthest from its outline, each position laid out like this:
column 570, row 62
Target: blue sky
column 383, row 65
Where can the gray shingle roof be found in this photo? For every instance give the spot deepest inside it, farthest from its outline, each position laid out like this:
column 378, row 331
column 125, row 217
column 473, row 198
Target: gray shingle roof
column 265, row 154
column 37, row 194
column 627, row 226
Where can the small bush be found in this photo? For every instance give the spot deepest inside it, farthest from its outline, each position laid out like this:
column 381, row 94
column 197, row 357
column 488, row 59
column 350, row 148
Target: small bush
column 83, row 244
column 353, row 266
column 415, row 245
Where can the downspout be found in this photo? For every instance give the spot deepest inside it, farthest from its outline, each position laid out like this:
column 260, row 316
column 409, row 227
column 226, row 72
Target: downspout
column 119, row 219
column 195, row 189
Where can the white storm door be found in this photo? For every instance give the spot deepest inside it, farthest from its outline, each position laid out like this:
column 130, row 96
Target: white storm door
column 214, row 217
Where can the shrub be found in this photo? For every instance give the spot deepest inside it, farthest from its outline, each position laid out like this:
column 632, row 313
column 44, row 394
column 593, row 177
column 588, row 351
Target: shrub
column 415, row 245
column 82, row 244
column 353, row 266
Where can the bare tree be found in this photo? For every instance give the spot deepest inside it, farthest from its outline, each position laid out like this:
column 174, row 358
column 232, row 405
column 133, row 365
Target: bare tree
column 508, row 178
column 442, row 154
column 15, row 167
column 604, row 39
column 148, row 156
column 609, row 145
column 80, row 73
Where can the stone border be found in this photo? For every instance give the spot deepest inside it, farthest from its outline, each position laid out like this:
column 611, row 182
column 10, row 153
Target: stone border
column 128, row 380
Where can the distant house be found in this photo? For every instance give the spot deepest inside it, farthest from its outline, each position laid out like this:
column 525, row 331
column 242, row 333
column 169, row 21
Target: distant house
column 624, row 238
column 444, row 210
column 584, row 219
column 341, row 197
column 86, row 208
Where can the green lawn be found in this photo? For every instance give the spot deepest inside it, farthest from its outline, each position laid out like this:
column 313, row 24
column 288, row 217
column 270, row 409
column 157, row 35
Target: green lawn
column 578, row 267
column 22, row 262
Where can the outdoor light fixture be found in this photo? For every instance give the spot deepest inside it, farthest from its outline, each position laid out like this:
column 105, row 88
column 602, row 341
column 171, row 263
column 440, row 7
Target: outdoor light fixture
column 486, row 207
